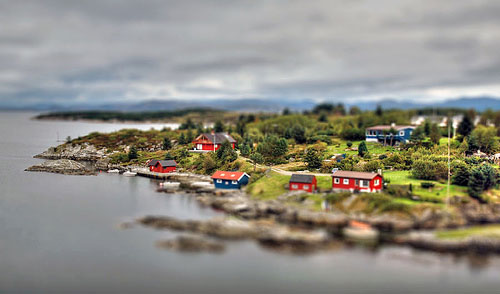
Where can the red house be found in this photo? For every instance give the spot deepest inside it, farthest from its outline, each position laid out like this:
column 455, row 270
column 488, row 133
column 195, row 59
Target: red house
column 212, row 142
column 357, row 181
column 306, row 183
column 162, row 166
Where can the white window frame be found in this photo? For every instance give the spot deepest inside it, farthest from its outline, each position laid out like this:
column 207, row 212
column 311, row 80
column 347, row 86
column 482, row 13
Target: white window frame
column 345, row 181
column 219, row 181
column 199, row 146
column 234, row 182
column 336, row 180
column 401, row 133
column 295, row 186
column 377, row 182
column 306, row 186
column 365, row 183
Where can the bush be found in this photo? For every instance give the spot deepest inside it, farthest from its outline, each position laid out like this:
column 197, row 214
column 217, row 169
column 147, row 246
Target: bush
column 400, row 191
column 427, row 185
column 426, row 169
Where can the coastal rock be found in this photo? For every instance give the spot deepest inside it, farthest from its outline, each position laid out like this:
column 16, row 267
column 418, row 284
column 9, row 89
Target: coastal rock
column 62, row 166
column 83, row 152
column 192, row 244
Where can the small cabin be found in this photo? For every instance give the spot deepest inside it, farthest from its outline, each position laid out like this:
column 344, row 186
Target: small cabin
column 162, row 166
column 357, row 181
column 306, row 183
column 230, row 180
column 212, row 142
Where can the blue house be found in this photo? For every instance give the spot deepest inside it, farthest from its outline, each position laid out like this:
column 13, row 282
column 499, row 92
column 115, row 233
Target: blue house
column 230, row 180
column 382, row 134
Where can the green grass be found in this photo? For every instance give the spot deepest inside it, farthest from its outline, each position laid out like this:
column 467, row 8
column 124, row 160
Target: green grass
column 324, row 183
column 269, row 186
column 373, row 148
column 490, row 231
column 436, row 194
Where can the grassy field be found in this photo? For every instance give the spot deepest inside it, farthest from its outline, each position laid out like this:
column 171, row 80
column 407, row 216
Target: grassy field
column 435, row 194
column 373, row 148
column 491, row 231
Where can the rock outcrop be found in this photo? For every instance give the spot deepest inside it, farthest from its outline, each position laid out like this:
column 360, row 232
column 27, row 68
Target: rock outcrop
column 192, row 244
column 62, row 166
column 83, row 152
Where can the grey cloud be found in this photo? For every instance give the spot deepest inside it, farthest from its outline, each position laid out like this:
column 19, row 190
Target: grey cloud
column 61, row 51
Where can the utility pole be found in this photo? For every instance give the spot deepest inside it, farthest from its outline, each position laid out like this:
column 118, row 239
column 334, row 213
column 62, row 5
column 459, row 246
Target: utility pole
column 449, row 166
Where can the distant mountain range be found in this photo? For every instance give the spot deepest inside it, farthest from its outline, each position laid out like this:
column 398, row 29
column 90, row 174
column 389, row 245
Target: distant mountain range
column 267, row 105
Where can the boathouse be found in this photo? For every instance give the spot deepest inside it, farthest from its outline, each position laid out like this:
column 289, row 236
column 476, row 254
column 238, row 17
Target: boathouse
column 357, row 181
column 212, row 141
column 230, row 180
column 162, row 166
column 306, row 183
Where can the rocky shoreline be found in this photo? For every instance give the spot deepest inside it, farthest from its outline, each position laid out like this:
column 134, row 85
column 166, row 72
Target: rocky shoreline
column 62, row 166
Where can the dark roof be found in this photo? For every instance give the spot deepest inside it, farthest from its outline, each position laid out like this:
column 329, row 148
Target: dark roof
column 153, row 162
column 307, row 179
column 166, row 163
column 354, row 175
column 219, row 138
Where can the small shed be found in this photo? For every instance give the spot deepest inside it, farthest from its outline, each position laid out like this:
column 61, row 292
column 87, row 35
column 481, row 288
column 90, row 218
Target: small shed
column 306, row 183
column 162, row 166
column 230, row 180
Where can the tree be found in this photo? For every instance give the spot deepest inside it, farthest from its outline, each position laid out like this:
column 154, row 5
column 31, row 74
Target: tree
column 417, row 135
column 168, row 156
column 466, row 126
column 476, row 184
column 486, row 139
column 312, row 159
column 209, row 164
column 241, row 127
column 392, row 133
column 461, row 174
column 68, row 139
column 286, row 111
column 244, row 149
column 490, row 176
column 472, row 144
column 296, row 132
column 182, row 139
column 349, row 144
column 132, row 153
column 189, row 136
column 273, row 148
column 354, row 110
column 435, row 135
column 219, row 126
column 362, row 149
column 225, row 153
column 379, row 111
column 167, row 144
column 323, row 118
column 256, row 158
column 427, row 127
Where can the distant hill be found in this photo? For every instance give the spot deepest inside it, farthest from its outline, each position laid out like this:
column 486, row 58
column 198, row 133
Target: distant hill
column 265, row 105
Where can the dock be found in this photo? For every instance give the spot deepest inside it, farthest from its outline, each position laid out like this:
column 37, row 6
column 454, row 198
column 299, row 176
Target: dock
column 174, row 176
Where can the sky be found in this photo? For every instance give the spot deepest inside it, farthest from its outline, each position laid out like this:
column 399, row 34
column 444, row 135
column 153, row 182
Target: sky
column 102, row 51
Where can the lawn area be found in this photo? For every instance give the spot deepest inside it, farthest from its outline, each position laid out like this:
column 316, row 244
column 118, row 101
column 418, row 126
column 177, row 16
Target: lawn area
column 324, row 183
column 373, row 148
column 437, row 193
column 490, row 231
column 269, row 186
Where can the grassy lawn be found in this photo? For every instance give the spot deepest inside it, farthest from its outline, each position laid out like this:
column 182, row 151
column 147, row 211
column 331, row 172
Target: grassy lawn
column 490, row 231
column 269, row 186
column 438, row 192
column 373, row 148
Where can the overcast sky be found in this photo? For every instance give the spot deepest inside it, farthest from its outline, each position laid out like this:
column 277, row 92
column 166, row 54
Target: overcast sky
column 97, row 51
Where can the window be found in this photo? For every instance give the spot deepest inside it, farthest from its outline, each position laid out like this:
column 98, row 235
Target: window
column 367, row 133
column 295, row 186
column 234, row 182
column 346, row 181
column 219, row 181
column 306, row 186
column 226, row 182
column 199, row 146
column 401, row 133
column 377, row 182
column 356, row 182
column 364, row 183
column 336, row 180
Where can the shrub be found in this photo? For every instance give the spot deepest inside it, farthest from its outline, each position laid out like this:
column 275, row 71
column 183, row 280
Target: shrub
column 426, row 169
column 427, row 185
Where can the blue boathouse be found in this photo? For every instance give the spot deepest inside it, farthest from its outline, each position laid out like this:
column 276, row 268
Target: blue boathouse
column 230, row 180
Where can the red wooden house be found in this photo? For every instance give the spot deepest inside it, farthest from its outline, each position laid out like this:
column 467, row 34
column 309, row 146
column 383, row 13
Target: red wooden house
column 212, row 142
column 306, row 183
column 357, row 181
column 162, row 166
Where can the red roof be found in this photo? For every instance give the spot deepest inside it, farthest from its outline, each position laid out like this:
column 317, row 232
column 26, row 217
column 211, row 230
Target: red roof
column 388, row 127
column 226, row 175
column 354, row 175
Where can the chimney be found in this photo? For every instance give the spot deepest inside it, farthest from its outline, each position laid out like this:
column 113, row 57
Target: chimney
column 379, row 171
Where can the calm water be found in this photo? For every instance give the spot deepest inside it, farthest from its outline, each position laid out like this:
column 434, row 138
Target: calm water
column 59, row 234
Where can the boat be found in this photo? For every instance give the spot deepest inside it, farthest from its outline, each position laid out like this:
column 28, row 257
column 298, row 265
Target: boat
column 360, row 231
column 129, row 174
column 113, row 171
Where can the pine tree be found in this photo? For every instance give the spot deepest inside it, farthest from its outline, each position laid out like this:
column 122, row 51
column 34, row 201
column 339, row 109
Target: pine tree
column 132, row 153
column 466, row 126
column 312, row 159
column 256, row 158
column 435, row 135
column 476, row 184
column 182, row 139
column 362, row 149
column 167, row 144
column 219, row 126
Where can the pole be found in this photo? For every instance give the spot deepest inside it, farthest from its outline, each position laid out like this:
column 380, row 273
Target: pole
column 449, row 166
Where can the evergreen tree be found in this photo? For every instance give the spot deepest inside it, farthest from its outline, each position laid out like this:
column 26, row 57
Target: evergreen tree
column 435, row 135
column 132, row 153
column 241, row 127
column 362, row 149
column 417, row 135
column 427, row 127
column 169, row 156
column 472, row 144
column 490, row 176
column 219, row 126
column 466, row 126
column 286, row 111
column 476, row 183
column 354, row 110
column 312, row 159
column 189, row 136
column 167, row 144
column 256, row 158
column 461, row 174
column 225, row 153
column 182, row 139
column 244, row 149
column 323, row 118
column 379, row 111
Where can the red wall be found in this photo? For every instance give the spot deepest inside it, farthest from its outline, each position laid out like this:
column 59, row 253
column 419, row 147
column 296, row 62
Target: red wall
column 300, row 186
column 352, row 184
column 210, row 147
column 161, row 169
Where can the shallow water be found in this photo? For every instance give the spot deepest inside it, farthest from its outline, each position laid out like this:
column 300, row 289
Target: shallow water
column 60, row 234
